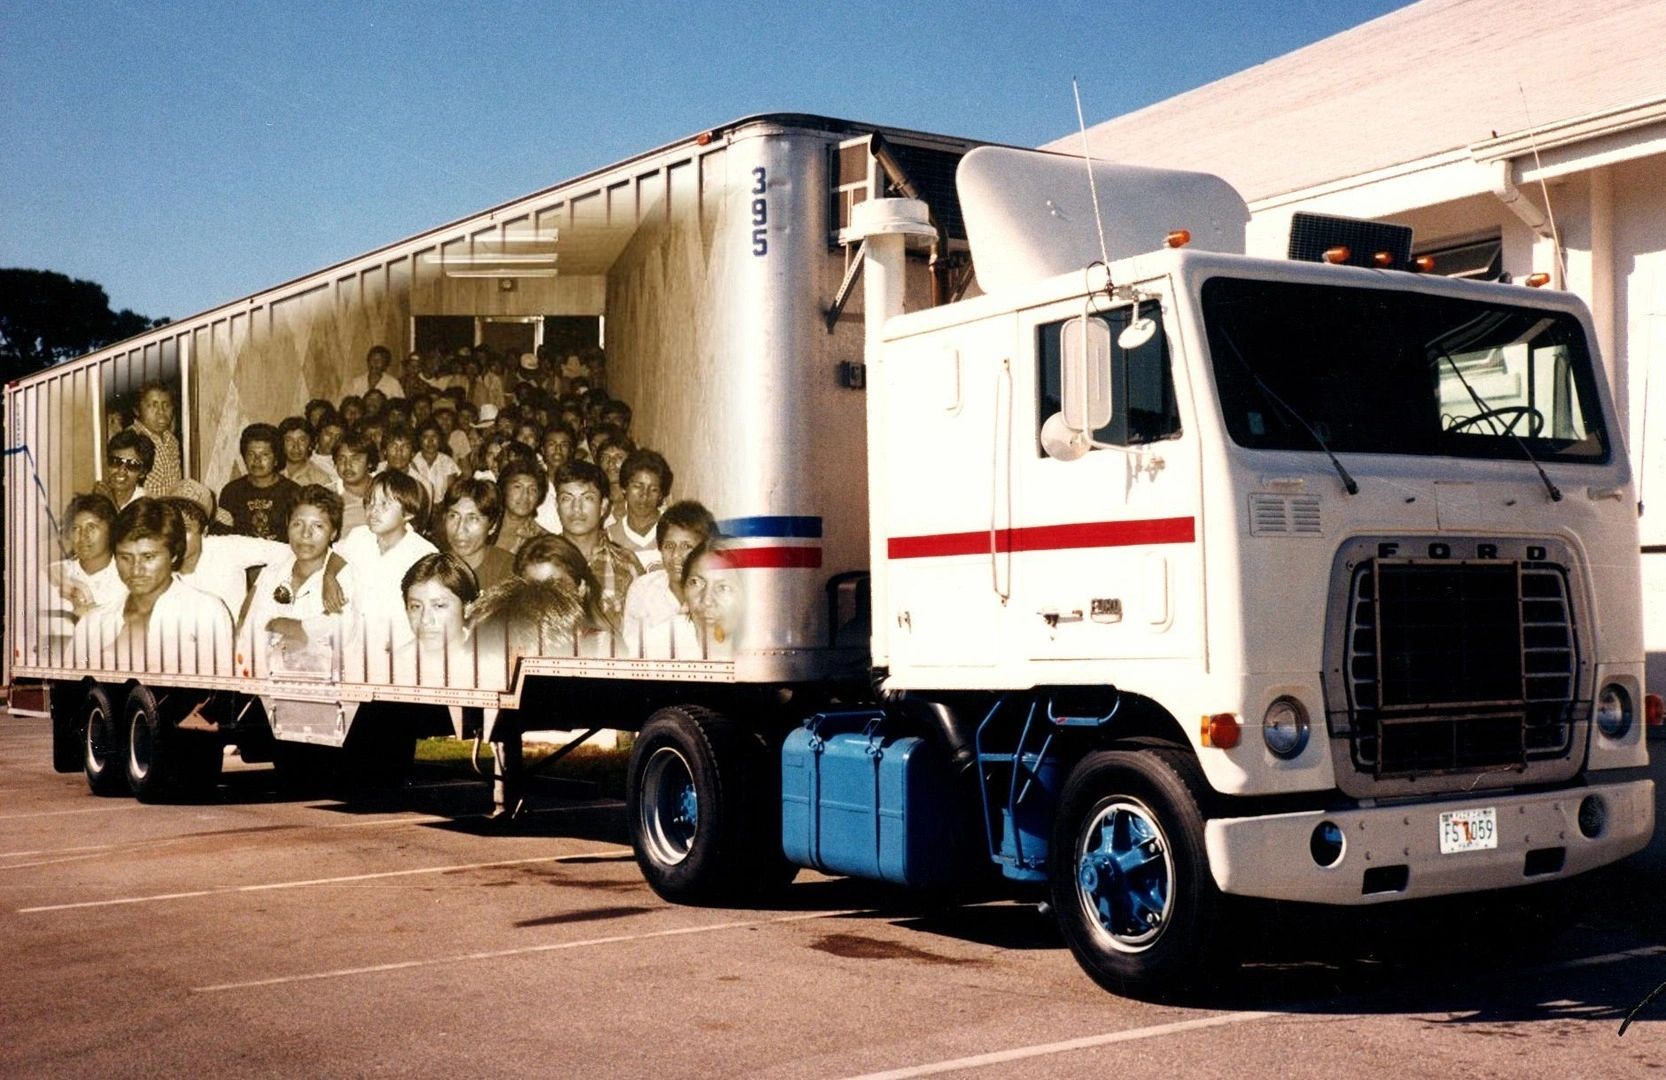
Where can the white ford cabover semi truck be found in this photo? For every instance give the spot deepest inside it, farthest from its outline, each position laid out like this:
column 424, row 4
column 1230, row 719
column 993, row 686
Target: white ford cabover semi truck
column 1068, row 541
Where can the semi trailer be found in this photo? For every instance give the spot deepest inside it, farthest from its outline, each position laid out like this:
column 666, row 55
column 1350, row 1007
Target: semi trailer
column 1063, row 545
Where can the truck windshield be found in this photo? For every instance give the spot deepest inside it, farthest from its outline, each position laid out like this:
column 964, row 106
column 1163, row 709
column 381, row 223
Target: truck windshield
column 1383, row 371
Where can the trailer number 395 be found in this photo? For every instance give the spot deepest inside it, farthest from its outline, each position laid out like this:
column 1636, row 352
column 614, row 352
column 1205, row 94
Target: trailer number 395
column 760, row 212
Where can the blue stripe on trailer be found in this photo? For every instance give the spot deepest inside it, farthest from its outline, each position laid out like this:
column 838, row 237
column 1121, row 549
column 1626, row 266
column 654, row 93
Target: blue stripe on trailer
column 799, row 528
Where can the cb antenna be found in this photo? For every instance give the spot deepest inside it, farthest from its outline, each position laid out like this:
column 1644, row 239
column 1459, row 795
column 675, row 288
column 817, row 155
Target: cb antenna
column 1093, row 188
column 1139, row 329
column 1544, row 188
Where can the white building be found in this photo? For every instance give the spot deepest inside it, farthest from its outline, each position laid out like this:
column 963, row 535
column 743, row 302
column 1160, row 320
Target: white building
column 1514, row 137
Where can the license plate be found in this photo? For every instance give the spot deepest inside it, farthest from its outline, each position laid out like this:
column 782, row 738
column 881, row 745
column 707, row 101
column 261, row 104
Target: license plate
column 1468, row 830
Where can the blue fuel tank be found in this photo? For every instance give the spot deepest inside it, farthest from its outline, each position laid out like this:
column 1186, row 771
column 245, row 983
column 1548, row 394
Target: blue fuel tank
column 859, row 802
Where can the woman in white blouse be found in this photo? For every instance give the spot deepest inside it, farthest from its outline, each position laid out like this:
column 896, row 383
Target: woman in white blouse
column 288, row 629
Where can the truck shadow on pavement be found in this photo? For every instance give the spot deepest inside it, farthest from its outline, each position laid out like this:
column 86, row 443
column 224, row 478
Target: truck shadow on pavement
column 1588, row 949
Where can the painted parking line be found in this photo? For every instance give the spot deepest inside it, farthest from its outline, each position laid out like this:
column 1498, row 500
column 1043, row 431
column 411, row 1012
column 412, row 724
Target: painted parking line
column 525, row 950
column 1087, row 1042
column 229, row 890
column 53, row 862
column 54, row 851
column 164, row 841
column 65, row 813
column 72, row 854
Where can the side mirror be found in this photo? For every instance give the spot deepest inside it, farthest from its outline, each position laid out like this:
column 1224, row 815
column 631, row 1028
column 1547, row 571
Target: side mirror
column 1085, row 370
column 1084, row 391
column 1060, row 442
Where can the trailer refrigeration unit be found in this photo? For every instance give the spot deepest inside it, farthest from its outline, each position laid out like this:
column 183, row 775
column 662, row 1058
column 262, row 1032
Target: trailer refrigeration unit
column 1059, row 539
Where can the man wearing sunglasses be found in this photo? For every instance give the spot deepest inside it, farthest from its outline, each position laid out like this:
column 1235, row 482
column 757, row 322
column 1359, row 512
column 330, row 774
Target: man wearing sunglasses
column 127, row 461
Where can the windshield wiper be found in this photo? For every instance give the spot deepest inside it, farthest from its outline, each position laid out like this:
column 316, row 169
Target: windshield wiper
column 1509, row 429
column 1348, row 482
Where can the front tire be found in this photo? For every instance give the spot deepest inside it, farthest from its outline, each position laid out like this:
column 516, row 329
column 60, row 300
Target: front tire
column 104, row 743
column 1130, row 878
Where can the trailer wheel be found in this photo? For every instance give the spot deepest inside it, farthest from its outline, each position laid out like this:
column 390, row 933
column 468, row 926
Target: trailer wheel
column 688, row 798
column 104, row 743
column 163, row 761
column 1130, row 877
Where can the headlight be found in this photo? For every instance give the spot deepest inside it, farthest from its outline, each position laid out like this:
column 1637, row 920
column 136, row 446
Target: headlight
column 1284, row 727
column 1614, row 711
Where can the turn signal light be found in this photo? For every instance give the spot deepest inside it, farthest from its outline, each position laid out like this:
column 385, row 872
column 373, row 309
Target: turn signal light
column 1337, row 254
column 1222, row 731
column 1654, row 710
column 1537, row 281
column 1178, row 238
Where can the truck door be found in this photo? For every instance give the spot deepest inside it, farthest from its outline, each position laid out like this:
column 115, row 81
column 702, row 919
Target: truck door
column 1107, row 558
column 950, row 396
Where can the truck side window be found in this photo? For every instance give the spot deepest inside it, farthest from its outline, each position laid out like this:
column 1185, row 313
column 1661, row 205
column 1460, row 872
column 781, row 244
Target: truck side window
column 1141, row 383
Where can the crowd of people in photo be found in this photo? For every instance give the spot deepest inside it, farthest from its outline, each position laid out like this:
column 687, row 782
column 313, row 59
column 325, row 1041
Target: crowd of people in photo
column 422, row 530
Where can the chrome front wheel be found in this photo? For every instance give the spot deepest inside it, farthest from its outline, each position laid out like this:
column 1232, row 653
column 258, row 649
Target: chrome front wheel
column 1125, row 875
column 1129, row 876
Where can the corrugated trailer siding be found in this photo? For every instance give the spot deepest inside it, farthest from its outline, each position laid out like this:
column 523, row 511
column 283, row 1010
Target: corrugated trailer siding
column 723, row 355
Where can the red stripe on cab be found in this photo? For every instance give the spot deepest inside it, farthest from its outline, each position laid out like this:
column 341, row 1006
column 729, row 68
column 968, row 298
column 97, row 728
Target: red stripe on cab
column 1180, row 530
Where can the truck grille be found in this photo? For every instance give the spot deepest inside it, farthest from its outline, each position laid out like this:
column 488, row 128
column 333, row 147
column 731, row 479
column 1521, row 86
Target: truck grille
column 1458, row 666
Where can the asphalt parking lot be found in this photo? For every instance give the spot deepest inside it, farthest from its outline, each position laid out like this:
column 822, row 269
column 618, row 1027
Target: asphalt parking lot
column 254, row 934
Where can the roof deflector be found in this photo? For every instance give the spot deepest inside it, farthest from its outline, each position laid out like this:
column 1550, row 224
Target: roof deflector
column 1029, row 214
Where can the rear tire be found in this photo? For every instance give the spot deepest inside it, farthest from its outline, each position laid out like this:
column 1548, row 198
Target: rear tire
column 104, row 743
column 696, row 806
column 1130, row 879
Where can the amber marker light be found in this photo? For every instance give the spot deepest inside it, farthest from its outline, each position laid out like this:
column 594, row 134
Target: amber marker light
column 1221, row 731
column 1425, row 263
column 703, row 139
column 1337, row 254
column 1179, row 238
column 1383, row 259
column 1537, row 281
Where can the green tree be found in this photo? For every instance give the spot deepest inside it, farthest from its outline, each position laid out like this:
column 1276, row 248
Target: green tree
column 47, row 317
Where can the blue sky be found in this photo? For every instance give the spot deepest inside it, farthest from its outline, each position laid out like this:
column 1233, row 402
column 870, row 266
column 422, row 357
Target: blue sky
column 183, row 155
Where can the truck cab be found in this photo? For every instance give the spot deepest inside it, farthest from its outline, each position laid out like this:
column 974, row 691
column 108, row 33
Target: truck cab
column 1307, row 580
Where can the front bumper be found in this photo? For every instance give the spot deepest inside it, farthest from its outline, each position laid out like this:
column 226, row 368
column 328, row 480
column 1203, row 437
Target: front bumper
column 1271, row 856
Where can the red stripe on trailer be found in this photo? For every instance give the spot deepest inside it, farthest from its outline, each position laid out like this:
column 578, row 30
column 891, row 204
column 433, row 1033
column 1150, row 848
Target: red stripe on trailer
column 1093, row 534
column 774, row 558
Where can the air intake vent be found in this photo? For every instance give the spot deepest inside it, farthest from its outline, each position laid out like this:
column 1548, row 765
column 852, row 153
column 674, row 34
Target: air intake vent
column 1284, row 515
